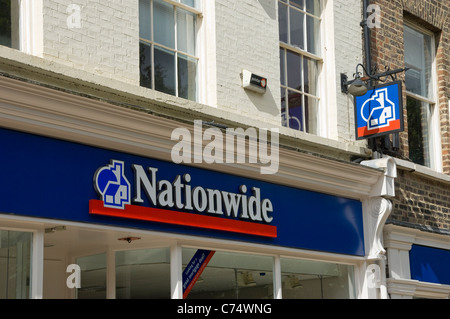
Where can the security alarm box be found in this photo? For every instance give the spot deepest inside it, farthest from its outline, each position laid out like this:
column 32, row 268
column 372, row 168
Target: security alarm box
column 253, row 82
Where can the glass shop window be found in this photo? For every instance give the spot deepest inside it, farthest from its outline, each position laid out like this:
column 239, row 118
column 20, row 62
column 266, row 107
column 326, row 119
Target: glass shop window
column 227, row 275
column 304, row 279
column 143, row 274
column 15, row 264
column 93, row 277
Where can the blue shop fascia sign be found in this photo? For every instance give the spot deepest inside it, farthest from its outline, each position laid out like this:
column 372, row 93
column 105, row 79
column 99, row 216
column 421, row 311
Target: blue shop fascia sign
column 50, row 178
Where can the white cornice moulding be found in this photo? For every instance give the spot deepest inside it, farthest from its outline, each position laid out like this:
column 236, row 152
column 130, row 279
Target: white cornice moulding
column 401, row 288
column 40, row 70
column 385, row 186
column 40, row 110
column 400, row 237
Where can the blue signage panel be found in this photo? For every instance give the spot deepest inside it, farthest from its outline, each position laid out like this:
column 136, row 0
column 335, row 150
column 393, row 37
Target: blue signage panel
column 430, row 264
column 379, row 111
column 50, row 178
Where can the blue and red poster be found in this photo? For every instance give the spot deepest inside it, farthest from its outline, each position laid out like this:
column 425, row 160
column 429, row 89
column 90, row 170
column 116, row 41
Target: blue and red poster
column 194, row 269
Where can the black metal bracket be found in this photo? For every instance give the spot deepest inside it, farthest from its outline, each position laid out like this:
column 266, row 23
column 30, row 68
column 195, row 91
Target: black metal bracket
column 382, row 77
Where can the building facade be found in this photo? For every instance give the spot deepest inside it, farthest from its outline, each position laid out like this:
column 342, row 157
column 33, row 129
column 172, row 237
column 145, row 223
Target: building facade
column 206, row 149
column 415, row 34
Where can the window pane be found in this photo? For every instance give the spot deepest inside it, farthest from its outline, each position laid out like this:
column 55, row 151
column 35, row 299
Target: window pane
column 282, row 22
column 143, row 274
column 294, row 70
column 284, row 110
column 296, row 28
column 313, row 35
column 295, row 112
column 311, row 74
column 302, row 279
column 298, row 3
column 418, row 136
column 311, row 115
column 313, row 7
column 187, row 77
column 145, row 20
column 413, row 44
column 428, row 53
column 93, row 277
column 191, row 3
column 145, row 60
column 413, row 81
column 233, row 276
column 5, row 23
column 186, row 31
column 164, row 71
column 15, row 264
column 282, row 67
column 419, row 57
column 164, row 26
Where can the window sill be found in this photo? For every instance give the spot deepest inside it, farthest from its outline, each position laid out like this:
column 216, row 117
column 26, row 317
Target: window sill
column 422, row 170
column 52, row 74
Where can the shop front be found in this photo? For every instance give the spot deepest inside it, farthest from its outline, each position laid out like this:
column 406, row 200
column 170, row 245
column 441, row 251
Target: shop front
column 92, row 216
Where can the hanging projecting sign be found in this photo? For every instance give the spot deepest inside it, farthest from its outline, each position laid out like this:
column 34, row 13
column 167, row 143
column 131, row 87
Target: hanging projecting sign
column 379, row 111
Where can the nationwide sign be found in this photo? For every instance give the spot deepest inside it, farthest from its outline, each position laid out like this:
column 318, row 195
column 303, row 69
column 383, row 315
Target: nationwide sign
column 250, row 214
column 70, row 181
column 379, row 111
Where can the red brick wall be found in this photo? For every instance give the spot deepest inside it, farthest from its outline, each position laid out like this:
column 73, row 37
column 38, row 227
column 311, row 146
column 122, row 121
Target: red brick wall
column 421, row 201
column 388, row 50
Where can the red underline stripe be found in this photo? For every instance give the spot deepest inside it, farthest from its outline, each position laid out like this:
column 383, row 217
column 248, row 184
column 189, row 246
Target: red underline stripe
column 364, row 131
column 186, row 219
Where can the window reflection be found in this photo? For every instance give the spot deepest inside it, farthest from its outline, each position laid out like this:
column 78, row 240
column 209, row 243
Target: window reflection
column 93, row 277
column 15, row 264
column 143, row 274
column 304, row 279
column 168, row 61
column 419, row 57
column 300, row 45
column 233, row 276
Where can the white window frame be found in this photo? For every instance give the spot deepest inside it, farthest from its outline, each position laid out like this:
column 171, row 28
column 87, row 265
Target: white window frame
column 398, row 241
column 325, row 70
column 37, row 259
column 434, row 139
column 303, row 53
column 27, row 32
column 31, row 27
column 199, row 44
column 176, row 261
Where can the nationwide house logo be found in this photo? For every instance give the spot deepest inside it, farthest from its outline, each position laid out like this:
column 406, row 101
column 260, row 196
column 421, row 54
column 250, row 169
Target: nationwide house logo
column 379, row 111
column 178, row 202
column 112, row 185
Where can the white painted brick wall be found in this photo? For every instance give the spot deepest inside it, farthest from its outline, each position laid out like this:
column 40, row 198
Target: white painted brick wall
column 106, row 43
column 348, row 53
column 247, row 38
